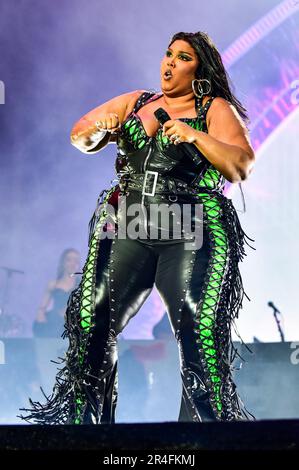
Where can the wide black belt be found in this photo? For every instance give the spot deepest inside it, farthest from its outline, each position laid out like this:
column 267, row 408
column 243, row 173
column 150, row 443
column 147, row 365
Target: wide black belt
column 152, row 182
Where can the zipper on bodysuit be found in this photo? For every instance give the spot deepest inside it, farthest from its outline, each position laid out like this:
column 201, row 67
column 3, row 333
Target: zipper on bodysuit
column 143, row 195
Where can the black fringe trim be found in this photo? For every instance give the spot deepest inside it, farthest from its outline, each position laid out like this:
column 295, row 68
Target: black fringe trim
column 232, row 301
column 74, row 380
column 227, row 310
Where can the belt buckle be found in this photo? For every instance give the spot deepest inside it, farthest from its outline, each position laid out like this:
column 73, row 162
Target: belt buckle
column 152, row 193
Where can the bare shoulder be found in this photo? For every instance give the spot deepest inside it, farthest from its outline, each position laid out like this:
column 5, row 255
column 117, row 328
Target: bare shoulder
column 226, row 125
column 218, row 104
column 133, row 97
column 129, row 97
column 224, row 112
column 130, row 101
column 120, row 105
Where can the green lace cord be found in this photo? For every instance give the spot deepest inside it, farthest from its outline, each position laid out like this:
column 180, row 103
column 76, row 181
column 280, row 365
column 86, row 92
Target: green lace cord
column 136, row 132
column 79, row 403
column 212, row 293
column 87, row 298
column 138, row 136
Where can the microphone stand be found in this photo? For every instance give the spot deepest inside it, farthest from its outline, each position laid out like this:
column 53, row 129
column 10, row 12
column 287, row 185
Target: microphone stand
column 275, row 312
column 9, row 273
column 9, row 324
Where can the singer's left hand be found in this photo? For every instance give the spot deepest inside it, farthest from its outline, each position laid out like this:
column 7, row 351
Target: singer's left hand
column 181, row 129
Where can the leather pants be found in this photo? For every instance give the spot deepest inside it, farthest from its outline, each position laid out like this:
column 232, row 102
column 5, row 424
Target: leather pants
column 202, row 292
column 126, row 272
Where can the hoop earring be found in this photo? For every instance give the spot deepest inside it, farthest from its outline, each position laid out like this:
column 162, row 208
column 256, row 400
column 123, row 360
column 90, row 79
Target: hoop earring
column 200, row 92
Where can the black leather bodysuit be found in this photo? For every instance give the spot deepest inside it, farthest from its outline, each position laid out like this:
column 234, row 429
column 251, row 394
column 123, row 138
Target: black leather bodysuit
column 153, row 170
column 201, row 287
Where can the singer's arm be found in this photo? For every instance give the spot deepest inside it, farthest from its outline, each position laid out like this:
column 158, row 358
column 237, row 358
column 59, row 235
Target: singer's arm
column 227, row 145
column 86, row 136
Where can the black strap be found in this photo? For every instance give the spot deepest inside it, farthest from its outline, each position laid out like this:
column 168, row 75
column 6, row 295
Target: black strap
column 202, row 110
column 143, row 98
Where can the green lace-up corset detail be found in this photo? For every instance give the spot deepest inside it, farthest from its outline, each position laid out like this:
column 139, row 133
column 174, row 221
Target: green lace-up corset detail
column 134, row 134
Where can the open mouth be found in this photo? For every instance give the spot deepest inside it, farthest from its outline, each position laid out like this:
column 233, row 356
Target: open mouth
column 167, row 75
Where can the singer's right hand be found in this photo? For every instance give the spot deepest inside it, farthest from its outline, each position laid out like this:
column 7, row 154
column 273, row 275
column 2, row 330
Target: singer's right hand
column 108, row 117
column 109, row 122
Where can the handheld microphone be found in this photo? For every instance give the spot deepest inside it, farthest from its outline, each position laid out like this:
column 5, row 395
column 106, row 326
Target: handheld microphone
column 162, row 116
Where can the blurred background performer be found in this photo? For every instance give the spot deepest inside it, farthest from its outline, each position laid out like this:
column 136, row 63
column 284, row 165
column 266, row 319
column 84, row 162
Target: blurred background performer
column 50, row 317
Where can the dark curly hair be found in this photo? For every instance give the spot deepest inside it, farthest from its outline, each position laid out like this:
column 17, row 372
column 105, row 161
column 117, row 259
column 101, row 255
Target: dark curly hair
column 211, row 67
